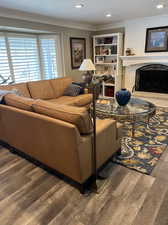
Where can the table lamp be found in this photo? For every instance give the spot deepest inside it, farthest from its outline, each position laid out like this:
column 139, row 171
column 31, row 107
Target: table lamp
column 88, row 66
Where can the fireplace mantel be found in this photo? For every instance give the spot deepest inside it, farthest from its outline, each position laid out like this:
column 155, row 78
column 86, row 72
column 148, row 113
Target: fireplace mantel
column 146, row 59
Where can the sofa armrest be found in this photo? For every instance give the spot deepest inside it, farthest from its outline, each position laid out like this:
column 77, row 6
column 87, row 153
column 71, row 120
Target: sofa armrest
column 107, row 145
column 82, row 100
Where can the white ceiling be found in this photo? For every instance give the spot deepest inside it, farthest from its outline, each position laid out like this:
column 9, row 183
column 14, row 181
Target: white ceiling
column 94, row 11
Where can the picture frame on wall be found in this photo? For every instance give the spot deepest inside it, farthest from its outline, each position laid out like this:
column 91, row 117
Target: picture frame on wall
column 157, row 39
column 78, row 51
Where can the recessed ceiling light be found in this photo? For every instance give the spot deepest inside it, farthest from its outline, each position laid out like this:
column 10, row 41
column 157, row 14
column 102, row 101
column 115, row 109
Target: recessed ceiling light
column 160, row 6
column 108, row 15
column 79, row 6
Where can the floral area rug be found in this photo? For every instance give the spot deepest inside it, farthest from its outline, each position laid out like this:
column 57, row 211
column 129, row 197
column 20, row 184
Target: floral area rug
column 142, row 152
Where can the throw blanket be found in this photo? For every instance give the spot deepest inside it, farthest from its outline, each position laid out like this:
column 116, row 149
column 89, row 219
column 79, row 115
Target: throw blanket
column 5, row 92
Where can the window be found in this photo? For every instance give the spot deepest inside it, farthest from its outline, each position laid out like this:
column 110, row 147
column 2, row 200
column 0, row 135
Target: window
column 29, row 57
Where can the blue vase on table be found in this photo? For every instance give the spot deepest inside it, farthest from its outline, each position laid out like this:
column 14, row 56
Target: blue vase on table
column 123, row 96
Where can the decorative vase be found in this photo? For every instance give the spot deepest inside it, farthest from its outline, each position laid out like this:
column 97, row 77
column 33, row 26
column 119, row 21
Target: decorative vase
column 123, row 96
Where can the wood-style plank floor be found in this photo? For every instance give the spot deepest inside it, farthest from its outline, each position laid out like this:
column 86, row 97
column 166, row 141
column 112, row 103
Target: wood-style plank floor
column 31, row 196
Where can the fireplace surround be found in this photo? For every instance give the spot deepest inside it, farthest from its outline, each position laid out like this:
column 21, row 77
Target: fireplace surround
column 152, row 78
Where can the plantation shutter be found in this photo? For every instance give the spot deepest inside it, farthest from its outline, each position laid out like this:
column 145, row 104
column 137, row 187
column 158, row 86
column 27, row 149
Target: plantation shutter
column 24, row 58
column 48, row 57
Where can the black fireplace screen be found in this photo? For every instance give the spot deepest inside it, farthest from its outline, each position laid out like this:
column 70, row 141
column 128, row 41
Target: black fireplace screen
column 152, row 78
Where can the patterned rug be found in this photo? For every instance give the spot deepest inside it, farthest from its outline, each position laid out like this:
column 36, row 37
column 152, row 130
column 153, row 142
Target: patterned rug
column 142, row 152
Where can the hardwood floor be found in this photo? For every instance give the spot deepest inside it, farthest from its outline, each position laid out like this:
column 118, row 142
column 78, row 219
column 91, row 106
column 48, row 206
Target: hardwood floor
column 31, row 196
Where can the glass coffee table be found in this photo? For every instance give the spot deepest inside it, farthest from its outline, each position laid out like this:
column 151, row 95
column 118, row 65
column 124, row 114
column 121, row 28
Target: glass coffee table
column 134, row 111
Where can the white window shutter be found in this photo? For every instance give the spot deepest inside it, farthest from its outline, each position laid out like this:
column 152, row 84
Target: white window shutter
column 24, row 58
column 48, row 57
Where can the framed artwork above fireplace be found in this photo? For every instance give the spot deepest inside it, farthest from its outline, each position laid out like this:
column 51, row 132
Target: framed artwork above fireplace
column 157, row 39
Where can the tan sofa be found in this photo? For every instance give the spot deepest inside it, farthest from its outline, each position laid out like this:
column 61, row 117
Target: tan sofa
column 56, row 130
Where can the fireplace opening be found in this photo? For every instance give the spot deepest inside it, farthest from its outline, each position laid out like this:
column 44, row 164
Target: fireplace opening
column 152, row 78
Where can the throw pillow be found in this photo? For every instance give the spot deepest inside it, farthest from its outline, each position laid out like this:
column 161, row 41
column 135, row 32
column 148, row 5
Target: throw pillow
column 72, row 90
column 82, row 85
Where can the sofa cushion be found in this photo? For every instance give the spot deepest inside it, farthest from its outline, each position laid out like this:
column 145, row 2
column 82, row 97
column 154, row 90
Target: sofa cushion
column 75, row 115
column 41, row 89
column 59, row 85
column 80, row 100
column 19, row 102
column 21, row 88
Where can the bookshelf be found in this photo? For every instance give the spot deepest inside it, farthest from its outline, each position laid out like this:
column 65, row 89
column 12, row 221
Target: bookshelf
column 107, row 50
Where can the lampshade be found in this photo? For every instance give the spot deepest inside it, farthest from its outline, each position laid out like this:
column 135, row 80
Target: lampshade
column 87, row 65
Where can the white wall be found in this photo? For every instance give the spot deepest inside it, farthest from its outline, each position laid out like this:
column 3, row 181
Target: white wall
column 135, row 32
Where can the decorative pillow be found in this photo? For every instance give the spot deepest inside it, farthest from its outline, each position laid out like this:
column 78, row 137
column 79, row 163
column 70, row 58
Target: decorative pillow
column 78, row 116
column 19, row 102
column 82, row 85
column 72, row 90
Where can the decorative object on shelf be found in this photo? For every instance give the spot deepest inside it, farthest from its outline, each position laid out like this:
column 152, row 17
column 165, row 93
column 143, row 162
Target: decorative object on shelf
column 123, row 96
column 129, row 52
column 114, row 49
column 157, row 39
column 109, row 51
column 78, row 51
column 88, row 66
column 100, row 60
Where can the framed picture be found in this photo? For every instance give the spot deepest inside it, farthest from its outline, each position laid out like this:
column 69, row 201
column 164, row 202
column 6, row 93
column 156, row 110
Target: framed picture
column 156, row 39
column 78, row 51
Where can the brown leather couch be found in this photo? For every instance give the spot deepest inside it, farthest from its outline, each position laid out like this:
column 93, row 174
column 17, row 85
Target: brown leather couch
column 56, row 130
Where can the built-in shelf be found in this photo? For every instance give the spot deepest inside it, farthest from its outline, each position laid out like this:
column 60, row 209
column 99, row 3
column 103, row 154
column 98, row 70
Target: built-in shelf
column 106, row 59
column 97, row 45
column 105, row 63
column 109, row 84
column 145, row 59
column 113, row 55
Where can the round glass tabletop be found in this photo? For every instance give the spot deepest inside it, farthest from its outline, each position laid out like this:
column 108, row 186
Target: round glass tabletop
column 136, row 107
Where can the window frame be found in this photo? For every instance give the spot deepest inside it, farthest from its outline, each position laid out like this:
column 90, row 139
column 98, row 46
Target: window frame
column 38, row 37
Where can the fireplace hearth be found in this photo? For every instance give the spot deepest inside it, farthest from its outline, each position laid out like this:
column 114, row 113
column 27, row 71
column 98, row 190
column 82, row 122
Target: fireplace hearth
column 152, row 78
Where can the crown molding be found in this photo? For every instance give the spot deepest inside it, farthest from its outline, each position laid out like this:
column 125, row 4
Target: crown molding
column 32, row 17
column 110, row 26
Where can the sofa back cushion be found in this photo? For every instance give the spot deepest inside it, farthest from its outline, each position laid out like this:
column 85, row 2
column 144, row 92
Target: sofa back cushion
column 41, row 89
column 19, row 102
column 75, row 115
column 22, row 88
column 59, row 85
